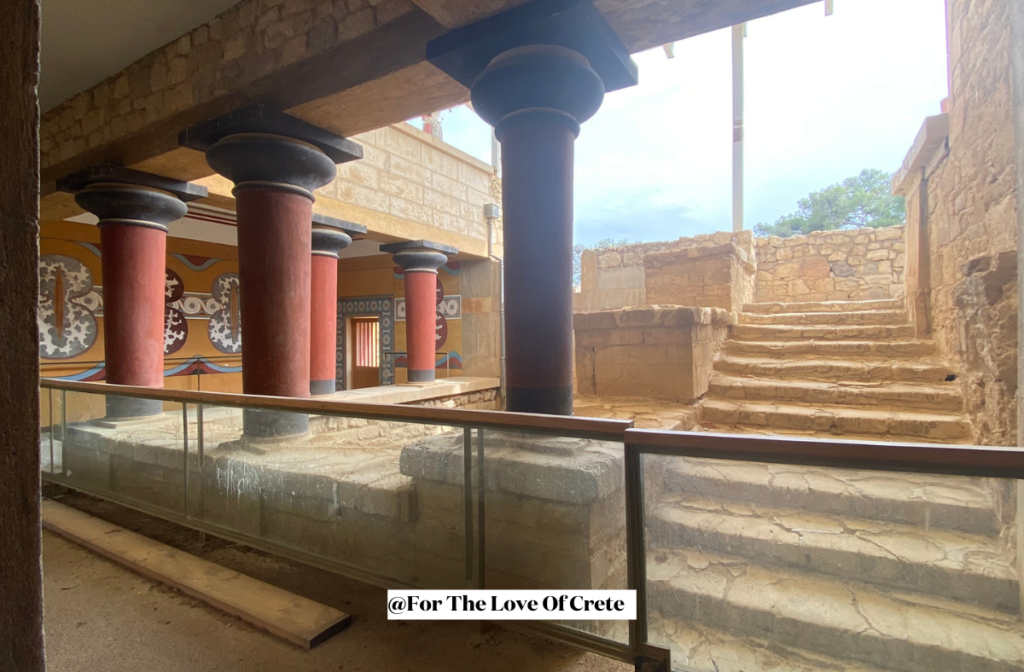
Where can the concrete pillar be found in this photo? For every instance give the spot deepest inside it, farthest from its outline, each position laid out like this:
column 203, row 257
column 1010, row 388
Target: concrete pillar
column 276, row 162
column 134, row 209
column 419, row 261
column 536, row 97
column 21, row 605
column 330, row 236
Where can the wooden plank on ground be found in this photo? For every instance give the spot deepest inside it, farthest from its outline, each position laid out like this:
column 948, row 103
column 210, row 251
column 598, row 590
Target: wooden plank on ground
column 287, row 615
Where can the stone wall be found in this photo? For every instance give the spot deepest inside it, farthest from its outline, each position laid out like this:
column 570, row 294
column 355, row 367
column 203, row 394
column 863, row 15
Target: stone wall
column 711, row 270
column 962, row 190
column 655, row 352
column 249, row 41
column 417, row 178
column 847, row 265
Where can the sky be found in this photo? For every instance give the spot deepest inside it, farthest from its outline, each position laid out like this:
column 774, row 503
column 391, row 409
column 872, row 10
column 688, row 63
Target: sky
column 826, row 97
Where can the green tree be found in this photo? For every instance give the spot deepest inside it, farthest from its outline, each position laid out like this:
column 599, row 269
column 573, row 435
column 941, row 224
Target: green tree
column 577, row 255
column 859, row 201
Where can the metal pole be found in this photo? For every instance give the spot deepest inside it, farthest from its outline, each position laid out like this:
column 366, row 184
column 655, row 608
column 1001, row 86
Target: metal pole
column 200, row 452
column 481, row 568
column 184, row 470
column 63, row 427
column 50, row 392
column 738, row 33
column 636, row 545
column 467, row 498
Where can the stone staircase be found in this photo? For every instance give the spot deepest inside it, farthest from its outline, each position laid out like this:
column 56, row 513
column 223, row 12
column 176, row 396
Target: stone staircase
column 757, row 567
column 771, row 567
column 849, row 368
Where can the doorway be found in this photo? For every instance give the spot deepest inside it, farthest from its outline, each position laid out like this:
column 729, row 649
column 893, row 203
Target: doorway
column 365, row 352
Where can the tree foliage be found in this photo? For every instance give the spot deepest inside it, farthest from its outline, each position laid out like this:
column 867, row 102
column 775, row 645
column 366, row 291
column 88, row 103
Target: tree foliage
column 863, row 200
column 577, row 255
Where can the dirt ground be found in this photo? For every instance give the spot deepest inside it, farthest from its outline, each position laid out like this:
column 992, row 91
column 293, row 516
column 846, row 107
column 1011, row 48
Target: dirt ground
column 100, row 616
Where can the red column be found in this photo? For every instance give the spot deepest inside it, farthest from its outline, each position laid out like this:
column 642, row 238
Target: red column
column 274, row 243
column 133, row 237
column 274, row 180
column 330, row 236
column 420, row 321
column 134, row 259
column 323, row 325
column 419, row 261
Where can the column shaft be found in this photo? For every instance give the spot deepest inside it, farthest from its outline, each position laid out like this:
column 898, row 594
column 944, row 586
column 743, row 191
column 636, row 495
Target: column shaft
column 420, row 324
column 323, row 324
column 274, row 248
column 537, row 190
column 134, row 259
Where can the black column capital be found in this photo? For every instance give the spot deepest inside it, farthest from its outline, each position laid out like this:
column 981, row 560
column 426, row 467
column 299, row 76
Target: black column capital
column 118, row 195
column 331, row 236
column 256, row 147
column 419, row 255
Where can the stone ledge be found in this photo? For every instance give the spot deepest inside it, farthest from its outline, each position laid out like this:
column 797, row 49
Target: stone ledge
column 574, row 471
column 652, row 316
column 413, row 392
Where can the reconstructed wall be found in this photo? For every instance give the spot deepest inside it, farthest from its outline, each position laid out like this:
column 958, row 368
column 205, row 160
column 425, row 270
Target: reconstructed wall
column 251, row 40
column 655, row 351
column 847, row 265
column 418, row 179
column 202, row 333
column 962, row 198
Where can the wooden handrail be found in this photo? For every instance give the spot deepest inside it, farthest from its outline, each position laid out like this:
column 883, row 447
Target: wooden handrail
column 949, row 459
column 590, row 428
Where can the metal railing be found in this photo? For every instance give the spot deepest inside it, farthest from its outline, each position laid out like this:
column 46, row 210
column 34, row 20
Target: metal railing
column 975, row 461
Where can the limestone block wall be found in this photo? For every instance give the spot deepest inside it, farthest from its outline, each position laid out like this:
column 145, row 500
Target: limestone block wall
column 655, row 351
column 249, row 41
column 711, row 270
column 961, row 189
column 409, row 179
column 847, row 265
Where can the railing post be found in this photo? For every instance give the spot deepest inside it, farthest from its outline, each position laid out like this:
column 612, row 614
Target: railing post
column 200, row 452
column 50, row 395
column 636, row 547
column 481, row 565
column 184, row 470
column 63, row 427
column 467, row 498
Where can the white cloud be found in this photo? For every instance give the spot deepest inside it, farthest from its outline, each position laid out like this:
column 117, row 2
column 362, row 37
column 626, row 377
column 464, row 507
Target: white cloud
column 825, row 98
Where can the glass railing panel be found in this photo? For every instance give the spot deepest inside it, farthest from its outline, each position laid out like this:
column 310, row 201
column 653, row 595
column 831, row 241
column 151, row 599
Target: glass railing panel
column 110, row 447
column 554, row 513
column 338, row 492
column 755, row 566
column 50, row 430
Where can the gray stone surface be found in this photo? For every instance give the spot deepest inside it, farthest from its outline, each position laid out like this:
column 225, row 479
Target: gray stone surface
column 565, row 470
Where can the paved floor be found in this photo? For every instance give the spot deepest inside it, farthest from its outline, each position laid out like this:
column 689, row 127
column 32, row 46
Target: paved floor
column 101, row 616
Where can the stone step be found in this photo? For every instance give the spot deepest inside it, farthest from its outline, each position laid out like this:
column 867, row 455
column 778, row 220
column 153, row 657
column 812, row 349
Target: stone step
column 945, row 397
column 824, row 306
column 932, row 502
column 839, row 349
column 893, row 425
column 842, row 619
column 774, row 332
column 871, row 317
column 698, row 648
column 850, row 370
column 944, row 563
